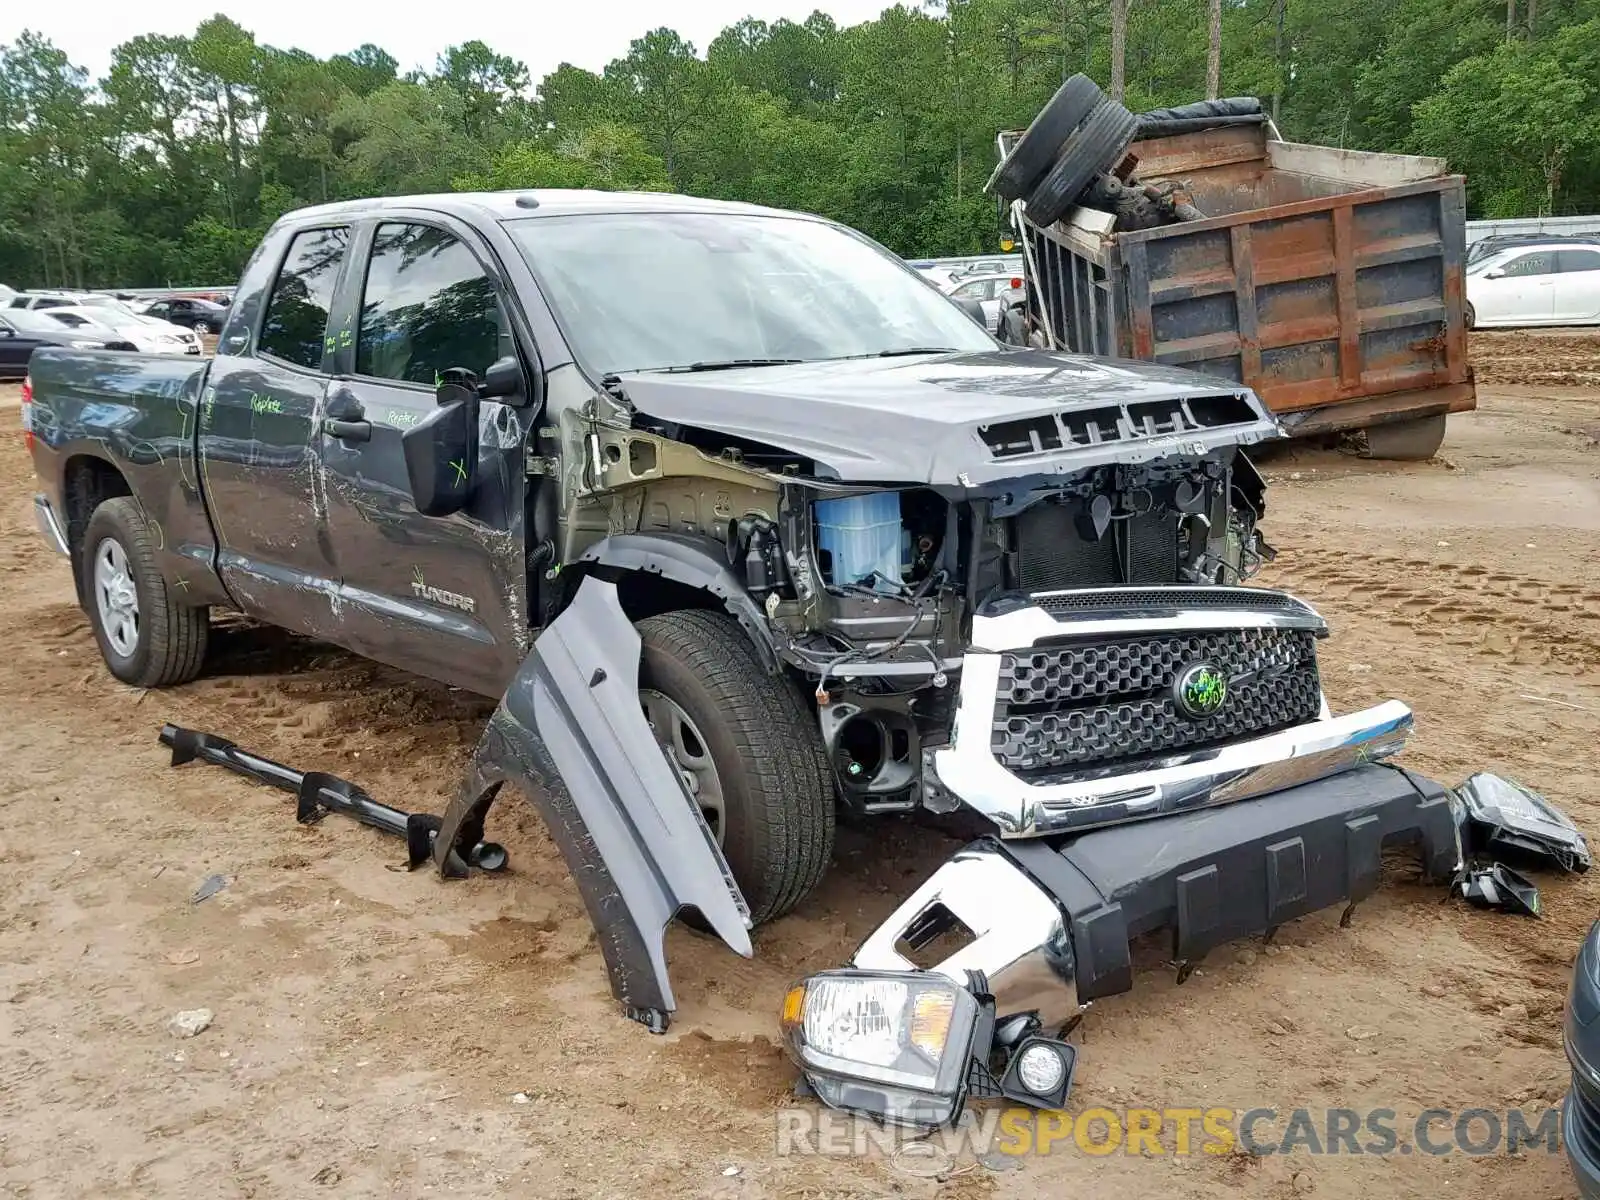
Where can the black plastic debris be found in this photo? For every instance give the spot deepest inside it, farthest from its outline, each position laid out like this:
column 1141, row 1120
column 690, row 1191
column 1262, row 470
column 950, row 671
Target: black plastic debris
column 317, row 794
column 1506, row 822
column 1495, row 885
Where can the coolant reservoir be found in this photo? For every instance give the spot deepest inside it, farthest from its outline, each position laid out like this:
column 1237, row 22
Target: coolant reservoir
column 862, row 537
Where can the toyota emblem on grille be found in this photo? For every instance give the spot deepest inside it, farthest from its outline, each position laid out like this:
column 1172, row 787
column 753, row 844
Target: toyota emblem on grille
column 1201, row 690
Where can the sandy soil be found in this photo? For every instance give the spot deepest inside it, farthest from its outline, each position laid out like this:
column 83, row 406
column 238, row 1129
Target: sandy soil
column 373, row 1026
column 1560, row 357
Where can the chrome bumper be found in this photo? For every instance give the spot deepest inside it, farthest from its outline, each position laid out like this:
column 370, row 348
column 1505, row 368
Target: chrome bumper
column 1106, row 795
column 45, row 517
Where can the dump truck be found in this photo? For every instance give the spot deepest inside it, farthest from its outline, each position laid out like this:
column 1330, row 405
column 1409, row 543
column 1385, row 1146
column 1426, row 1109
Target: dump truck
column 1329, row 281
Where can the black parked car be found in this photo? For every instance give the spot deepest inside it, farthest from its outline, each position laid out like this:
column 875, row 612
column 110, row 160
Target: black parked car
column 1580, row 1125
column 24, row 331
column 200, row 315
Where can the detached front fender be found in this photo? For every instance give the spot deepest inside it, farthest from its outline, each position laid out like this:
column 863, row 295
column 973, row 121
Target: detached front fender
column 570, row 734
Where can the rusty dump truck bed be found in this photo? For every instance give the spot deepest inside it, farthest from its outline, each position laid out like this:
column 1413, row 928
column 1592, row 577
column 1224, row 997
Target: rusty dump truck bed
column 1330, row 281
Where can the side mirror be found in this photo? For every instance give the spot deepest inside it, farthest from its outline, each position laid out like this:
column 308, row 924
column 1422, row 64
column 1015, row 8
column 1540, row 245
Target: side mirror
column 503, row 378
column 973, row 308
column 441, row 450
column 5, row 332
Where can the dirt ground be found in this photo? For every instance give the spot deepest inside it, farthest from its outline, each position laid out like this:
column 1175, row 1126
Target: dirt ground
column 372, row 1027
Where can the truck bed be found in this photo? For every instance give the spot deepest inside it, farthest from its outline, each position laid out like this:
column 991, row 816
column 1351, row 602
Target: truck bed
column 1329, row 281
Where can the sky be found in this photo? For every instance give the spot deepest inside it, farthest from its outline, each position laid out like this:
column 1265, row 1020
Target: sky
column 542, row 33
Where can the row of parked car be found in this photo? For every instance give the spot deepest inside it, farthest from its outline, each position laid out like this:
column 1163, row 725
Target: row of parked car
column 1533, row 279
column 98, row 320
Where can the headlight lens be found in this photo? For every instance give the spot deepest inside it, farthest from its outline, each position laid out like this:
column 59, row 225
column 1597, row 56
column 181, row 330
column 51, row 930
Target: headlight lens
column 894, row 1045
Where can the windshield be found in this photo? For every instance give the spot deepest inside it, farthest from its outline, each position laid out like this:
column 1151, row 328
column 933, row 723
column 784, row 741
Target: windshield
column 651, row 291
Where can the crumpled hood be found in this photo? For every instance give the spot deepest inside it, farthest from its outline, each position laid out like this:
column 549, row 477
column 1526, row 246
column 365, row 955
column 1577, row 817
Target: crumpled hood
column 922, row 419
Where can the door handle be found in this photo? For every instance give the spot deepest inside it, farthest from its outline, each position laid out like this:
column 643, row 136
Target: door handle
column 348, row 431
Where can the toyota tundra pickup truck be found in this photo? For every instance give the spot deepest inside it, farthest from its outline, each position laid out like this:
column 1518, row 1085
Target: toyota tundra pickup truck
column 748, row 527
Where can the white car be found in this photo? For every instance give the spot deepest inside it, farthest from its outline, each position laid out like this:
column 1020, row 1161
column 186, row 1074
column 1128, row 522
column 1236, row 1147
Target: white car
column 150, row 336
column 1555, row 284
column 995, row 292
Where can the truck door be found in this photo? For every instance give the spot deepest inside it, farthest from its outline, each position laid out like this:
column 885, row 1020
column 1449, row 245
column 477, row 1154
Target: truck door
column 442, row 596
column 258, row 415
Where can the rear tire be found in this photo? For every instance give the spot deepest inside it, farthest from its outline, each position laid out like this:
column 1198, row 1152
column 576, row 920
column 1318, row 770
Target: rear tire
column 775, row 788
column 1406, row 441
column 146, row 637
column 1098, row 146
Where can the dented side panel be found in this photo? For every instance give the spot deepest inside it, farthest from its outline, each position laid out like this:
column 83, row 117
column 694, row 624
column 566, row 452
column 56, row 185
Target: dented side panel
column 571, row 735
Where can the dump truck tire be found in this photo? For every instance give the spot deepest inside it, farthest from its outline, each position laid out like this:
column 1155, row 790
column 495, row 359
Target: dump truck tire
column 775, row 786
column 1406, row 441
column 1097, row 146
column 147, row 638
column 1031, row 157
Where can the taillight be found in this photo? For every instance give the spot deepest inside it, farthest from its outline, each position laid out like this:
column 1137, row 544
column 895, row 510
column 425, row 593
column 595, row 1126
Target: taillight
column 27, row 412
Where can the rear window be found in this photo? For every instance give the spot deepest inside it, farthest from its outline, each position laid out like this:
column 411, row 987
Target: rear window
column 302, row 298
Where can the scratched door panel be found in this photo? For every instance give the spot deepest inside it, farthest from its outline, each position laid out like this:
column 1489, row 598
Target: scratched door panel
column 259, row 416
column 441, row 596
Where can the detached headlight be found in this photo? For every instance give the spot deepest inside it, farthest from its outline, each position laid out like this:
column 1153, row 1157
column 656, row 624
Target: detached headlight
column 894, row 1045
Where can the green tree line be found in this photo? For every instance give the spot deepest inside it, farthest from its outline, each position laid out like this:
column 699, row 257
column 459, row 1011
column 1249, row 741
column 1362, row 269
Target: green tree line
column 169, row 167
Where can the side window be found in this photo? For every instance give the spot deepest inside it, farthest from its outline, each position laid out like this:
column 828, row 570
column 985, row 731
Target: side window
column 297, row 313
column 427, row 306
column 971, row 291
column 1541, row 263
column 1578, row 260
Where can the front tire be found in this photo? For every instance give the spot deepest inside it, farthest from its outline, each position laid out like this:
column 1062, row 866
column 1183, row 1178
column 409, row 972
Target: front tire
column 146, row 638
column 747, row 751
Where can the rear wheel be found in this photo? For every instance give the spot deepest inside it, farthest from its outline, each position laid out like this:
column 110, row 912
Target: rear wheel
column 745, row 750
column 1406, row 441
column 1472, row 317
column 146, row 638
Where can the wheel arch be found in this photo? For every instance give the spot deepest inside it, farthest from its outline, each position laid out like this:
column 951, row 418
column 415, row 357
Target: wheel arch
column 87, row 482
column 663, row 572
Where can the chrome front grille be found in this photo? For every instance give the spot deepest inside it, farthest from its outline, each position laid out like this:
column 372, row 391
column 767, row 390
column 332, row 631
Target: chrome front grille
column 1111, row 699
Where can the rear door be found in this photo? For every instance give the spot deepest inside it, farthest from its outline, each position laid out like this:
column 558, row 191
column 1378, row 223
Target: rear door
column 259, row 416
column 1577, row 291
column 1522, row 292
column 442, row 596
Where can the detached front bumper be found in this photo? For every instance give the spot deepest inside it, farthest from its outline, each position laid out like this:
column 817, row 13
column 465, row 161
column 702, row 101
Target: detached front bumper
column 1052, row 918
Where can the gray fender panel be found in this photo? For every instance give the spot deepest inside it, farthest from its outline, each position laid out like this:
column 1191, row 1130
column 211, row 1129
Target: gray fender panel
column 570, row 733
column 696, row 561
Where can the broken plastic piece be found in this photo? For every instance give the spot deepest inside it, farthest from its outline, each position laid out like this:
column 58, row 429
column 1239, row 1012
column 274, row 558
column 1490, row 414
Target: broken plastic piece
column 1496, row 885
column 1505, row 820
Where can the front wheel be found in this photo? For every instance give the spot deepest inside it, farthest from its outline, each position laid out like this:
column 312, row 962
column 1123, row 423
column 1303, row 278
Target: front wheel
column 146, row 638
column 746, row 751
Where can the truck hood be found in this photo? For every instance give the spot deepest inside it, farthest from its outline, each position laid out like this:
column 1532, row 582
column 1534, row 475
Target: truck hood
column 961, row 419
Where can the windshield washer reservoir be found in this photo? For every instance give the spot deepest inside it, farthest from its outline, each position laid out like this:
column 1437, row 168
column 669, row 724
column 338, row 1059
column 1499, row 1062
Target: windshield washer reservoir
column 861, row 536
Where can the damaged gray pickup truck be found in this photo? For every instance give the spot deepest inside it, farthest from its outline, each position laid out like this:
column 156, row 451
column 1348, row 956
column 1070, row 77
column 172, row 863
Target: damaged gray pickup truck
column 746, row 524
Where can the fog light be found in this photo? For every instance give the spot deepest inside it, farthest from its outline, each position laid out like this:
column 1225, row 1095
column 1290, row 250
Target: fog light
column 892, row 1045
column 1040, row 1069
